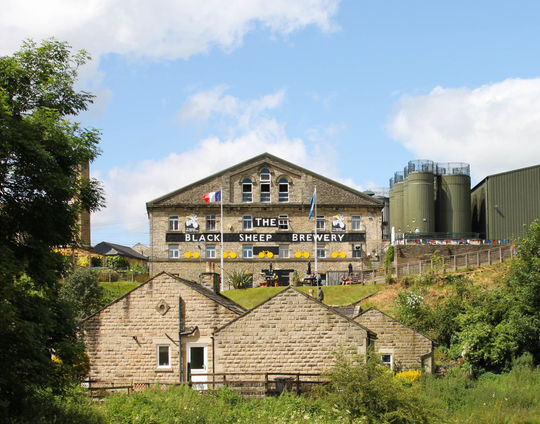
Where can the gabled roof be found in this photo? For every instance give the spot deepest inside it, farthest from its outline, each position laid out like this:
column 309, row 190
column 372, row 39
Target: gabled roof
column 393, row 319
column 261, row 158
column 218, row 298
column 111, row 249
column 370, row 333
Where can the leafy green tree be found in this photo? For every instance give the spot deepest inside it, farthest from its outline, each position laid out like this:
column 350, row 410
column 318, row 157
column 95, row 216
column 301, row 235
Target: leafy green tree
column 41, row 196
column 117, row 262
column 82, row 291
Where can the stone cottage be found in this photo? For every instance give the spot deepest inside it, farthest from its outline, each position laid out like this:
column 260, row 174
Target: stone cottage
column 152, row 332
column 290, row 332
column 399, row 346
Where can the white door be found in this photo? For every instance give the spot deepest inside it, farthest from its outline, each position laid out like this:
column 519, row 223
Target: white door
column 197, row 357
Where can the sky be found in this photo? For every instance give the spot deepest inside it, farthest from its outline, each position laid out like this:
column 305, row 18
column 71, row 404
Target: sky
column 349, row 89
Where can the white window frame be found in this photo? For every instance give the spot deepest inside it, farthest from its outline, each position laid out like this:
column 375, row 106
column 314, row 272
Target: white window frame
column 209, row 219
column 210, row 251
column 283, row 196
column 174, row 251
column 321, row 251
column 321, row 222
column 387, row 363
column 356, row 247
column 283, row 222
column 247, row 251
column 159, row 366
column 245, row 220
column 265, row 176
column 284, row 251
column 267, row 194
column 356, row 221
column 247, row 197
column 174, row 223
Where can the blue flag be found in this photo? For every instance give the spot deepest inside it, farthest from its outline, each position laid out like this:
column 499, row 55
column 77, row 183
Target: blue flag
column 312, row 204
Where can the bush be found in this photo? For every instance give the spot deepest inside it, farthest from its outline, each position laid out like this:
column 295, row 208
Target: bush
column 82, row 291
column 96, row 261
column 240, row 279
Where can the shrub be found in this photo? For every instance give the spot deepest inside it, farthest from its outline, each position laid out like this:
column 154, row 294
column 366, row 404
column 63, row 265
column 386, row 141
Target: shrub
column 240, row 279
column 82, row 291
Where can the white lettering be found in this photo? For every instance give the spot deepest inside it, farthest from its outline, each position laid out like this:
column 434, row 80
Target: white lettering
column 257, row 222
column 202, row 238
column 294, row 237
column 188, row 237
column 273, row 222
column 241, row 237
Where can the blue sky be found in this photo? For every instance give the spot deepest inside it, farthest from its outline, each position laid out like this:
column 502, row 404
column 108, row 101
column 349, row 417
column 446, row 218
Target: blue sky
column 350, row 89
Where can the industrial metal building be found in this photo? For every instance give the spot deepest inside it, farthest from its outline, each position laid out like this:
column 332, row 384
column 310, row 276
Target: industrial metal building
column 503, row 205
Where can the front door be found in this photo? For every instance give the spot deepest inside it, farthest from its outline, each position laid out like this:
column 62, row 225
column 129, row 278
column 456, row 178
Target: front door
column 197, row 357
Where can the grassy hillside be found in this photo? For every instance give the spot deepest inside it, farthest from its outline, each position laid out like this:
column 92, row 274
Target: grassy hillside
column 333, row 295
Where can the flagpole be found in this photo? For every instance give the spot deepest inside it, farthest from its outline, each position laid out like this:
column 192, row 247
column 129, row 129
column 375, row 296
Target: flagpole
column 222, row 280
column 316, row 266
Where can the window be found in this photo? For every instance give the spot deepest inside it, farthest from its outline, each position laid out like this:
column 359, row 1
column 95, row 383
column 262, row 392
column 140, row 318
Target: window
column 265, row 175
column 173, row 251
column 163, row 356
column 265, row 192
column 321, row 222
column 210, row 222
column 283, row 222
column 173, row 223
column 386, row 359
column 247, row 251
column 247, row 222
column 247, row 190
column 356, row 250
column 283, row 190
column 284, row 251
column 321, row 251
column 210, row 251
column 356, row 222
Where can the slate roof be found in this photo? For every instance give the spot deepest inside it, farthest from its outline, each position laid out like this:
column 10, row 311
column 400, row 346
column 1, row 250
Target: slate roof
column 112, row 249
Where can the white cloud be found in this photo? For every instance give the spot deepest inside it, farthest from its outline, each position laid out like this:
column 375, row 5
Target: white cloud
column 494, row 127
column 253, row 133
column 168, row 29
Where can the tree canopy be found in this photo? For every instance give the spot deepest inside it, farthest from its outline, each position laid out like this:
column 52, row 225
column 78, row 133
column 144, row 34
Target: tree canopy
column 42, row 194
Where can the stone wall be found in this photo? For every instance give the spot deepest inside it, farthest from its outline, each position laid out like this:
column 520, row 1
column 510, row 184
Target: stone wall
column 122, row 339
column 291, row 332
column 409, row 349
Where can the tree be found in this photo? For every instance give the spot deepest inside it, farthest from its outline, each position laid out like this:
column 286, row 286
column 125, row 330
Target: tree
column 82, row 291
column 41, row 196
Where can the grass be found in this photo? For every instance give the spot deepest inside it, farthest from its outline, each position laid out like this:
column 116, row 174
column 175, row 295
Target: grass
column 333, row 295
column 113, row 290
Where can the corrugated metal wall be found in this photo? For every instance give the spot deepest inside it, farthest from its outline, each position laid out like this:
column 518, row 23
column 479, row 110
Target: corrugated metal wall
column 513, row 200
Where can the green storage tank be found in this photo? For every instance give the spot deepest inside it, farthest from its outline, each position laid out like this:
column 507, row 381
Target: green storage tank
column 454, row 203
column 420, row 202
column 405, row 224
column 398, row 216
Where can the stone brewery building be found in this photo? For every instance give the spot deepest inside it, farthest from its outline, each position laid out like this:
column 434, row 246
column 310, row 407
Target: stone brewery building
column 152, row 333
column 266, row 202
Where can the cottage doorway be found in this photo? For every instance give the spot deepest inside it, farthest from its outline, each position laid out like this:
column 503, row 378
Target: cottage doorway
column 197, row 357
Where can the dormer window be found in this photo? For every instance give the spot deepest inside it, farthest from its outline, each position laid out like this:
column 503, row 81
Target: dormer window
column 283, row 190
column 247, row 190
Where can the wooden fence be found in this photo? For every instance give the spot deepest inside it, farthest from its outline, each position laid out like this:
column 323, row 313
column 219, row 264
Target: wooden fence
column 453, row 263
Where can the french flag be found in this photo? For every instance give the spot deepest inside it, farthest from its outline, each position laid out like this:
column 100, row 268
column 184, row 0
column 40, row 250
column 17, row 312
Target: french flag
column 214, row 196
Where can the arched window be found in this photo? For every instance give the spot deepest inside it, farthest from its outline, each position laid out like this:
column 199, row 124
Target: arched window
column 265, row 185
column 247, row 190
column 283, row 190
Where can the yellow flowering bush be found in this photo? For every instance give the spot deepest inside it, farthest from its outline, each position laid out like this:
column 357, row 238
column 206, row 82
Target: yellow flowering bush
column 410, row 375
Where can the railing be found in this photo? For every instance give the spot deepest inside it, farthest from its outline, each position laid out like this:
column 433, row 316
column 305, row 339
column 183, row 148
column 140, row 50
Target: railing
column 454, row 262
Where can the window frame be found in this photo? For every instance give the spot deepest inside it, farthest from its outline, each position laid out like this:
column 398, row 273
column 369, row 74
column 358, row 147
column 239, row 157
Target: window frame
column 210, row 248
column 247, row 197
column 354, row 250
column 247, row 250
column 159, row 366
column 209, row 221
column 174, row 223
column 283, row 222
column 390, row 363
column 356, row 219
column 265, row 172
column 281, row 248
column 321, row 249
column 265, row 196
column 320, row 219
column 171, row 248
column 245, row 219
column 282, row 194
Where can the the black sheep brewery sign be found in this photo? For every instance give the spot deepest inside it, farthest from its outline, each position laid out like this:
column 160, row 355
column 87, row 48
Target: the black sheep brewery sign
column 278, row 237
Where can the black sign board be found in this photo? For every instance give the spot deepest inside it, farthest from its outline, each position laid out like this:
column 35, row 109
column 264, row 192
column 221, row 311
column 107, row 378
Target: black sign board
column 266, row 237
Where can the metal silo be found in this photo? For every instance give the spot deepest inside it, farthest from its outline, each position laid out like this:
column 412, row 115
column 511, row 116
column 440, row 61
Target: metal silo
column 453, row 198
column 420, row 197
column 396, row 202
